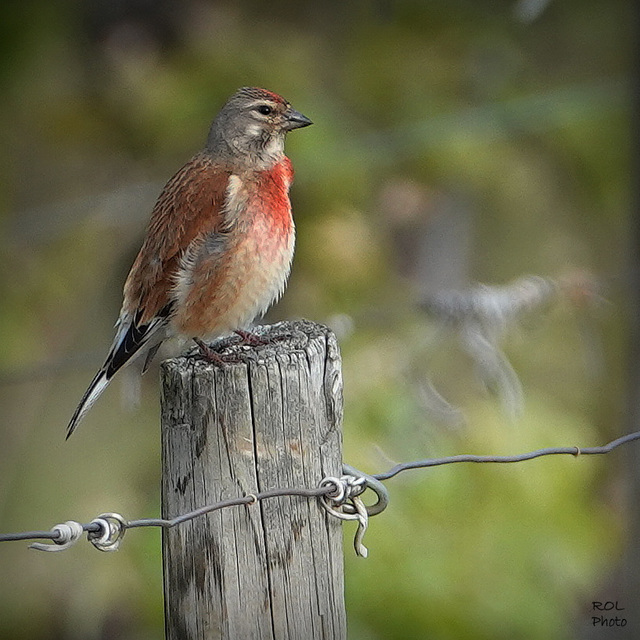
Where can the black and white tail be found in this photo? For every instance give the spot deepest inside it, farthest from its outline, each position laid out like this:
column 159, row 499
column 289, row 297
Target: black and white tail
column 130, row 339
column 97, row 386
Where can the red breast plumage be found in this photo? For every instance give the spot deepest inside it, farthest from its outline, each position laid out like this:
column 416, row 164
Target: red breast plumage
column 219, row 244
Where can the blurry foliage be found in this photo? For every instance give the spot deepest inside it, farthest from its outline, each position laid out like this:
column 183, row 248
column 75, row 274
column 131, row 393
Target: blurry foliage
column 502, row 125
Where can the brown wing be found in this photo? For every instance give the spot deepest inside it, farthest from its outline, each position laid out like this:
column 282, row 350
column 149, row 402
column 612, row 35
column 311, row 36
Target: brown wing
column 190, row 205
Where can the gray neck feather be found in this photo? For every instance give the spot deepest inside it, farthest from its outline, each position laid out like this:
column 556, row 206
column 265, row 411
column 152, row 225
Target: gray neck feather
column 240, row 143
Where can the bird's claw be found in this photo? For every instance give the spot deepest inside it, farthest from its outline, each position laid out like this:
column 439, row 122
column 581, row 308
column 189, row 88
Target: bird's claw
column 207, row 353
column 251, row 339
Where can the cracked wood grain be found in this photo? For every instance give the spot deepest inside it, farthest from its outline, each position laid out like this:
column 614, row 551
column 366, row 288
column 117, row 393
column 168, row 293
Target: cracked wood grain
column 270, row 418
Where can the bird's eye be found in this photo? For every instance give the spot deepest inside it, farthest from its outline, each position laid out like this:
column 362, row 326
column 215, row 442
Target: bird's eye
column 264, row 109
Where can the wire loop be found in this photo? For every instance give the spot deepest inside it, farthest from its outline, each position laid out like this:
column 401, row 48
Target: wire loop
column 370, row 482
column 344, row 501
column 358, row 512
column 112, row 527
column 67, row 535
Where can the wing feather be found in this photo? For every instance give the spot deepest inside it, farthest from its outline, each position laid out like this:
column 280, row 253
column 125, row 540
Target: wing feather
column 190, row 207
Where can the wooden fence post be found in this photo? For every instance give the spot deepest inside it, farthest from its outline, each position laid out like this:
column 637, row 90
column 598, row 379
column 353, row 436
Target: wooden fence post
column 272, row 419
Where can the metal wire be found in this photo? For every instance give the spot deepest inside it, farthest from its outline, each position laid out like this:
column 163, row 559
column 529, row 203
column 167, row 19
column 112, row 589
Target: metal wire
column 107, row 530
column 573, row 451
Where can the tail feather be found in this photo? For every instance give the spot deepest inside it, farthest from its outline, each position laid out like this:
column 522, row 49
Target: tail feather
column 97, row 386
column 130, row 338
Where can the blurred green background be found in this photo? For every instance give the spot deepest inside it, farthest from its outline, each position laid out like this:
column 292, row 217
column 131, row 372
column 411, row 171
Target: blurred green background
column 454, row 142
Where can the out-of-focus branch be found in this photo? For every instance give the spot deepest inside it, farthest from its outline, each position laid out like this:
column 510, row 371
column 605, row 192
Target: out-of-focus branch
column 481, row 316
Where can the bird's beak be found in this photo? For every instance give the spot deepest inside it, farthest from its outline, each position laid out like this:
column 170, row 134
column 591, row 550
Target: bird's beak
column 295, row 120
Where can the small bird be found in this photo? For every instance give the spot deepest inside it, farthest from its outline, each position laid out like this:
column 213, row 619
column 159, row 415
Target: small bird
column 219, row 244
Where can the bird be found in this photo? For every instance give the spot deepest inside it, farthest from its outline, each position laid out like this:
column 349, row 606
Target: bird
column 219, row 243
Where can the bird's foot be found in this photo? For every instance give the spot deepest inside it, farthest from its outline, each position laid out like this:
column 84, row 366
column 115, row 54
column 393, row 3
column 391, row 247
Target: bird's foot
column 209, row 354
column 252, row 339
column 246, row 338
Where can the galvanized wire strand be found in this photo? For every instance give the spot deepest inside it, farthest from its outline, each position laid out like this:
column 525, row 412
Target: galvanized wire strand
column 233, row 502
column 573, row 451
column 106, row 531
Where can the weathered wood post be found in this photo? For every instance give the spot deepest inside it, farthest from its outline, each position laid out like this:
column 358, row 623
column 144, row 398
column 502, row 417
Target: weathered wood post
column 272, row 419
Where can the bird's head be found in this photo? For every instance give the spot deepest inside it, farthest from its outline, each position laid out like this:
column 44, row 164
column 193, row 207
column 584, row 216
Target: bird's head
column 251, row 127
